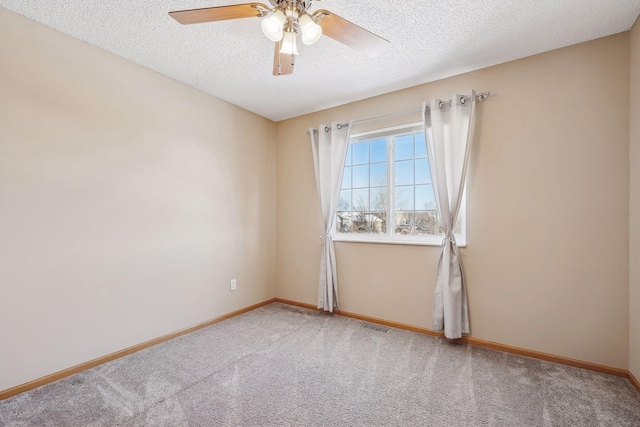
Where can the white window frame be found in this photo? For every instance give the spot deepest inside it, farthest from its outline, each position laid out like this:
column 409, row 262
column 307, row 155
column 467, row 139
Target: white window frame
column 390, row 237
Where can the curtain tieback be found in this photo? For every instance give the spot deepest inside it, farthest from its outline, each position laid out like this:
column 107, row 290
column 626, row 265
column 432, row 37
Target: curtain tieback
column 326, row 236
column 451, row 239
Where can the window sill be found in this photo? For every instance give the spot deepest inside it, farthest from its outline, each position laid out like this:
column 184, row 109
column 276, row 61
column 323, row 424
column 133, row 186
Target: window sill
column 337, row 238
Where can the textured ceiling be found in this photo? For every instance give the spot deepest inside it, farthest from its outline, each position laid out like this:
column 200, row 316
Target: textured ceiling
column 430, row 40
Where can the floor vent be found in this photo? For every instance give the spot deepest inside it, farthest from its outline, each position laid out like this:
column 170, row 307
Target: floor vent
column 375, row 327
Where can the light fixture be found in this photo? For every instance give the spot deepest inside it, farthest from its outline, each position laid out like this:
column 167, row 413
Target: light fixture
column 311, row 31
column 272, row 26
column 283, row 25
column 289, row 43
column 283, row 21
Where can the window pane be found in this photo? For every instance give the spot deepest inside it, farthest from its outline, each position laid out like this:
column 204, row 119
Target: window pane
column 404, row 223
column 423, row 174
column 360, row 176
column 346, row 178
column 345, row 200
column 360, row 153
column 404, row 147
column 421, row 145
column 379, row 150
column 426, row 223
column 343, row 222
column 378, row 222
column 404, row 172
column 359, row 223
column 361, row 200
column 379, row 199
column 404, row 198
column 425, row 198
column 347, row 162
column 379, row 174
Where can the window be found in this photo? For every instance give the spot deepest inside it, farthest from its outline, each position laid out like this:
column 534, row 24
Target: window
column 386, row 194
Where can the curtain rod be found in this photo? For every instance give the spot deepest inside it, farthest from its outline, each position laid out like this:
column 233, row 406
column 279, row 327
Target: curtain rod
column 480, row 97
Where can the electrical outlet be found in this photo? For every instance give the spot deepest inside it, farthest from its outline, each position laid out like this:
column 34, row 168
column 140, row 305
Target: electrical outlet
column 233, row 284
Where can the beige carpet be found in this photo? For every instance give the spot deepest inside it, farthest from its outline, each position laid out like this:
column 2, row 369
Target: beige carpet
column 282, row 365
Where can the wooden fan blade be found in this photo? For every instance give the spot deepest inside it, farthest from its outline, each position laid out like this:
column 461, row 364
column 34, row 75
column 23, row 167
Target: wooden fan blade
column 220, row 13
column 282, row 63
column 350, row 34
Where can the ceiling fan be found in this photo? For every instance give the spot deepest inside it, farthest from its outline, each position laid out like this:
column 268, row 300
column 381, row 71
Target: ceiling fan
column 284, row 21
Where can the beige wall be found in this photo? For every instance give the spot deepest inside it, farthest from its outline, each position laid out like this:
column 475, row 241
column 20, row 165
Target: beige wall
column 634, row 204
column 127, row 203
column 548, row 212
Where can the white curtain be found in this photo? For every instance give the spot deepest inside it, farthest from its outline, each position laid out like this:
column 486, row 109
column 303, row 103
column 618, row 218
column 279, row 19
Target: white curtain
column 448, row 127
column 329, row 146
